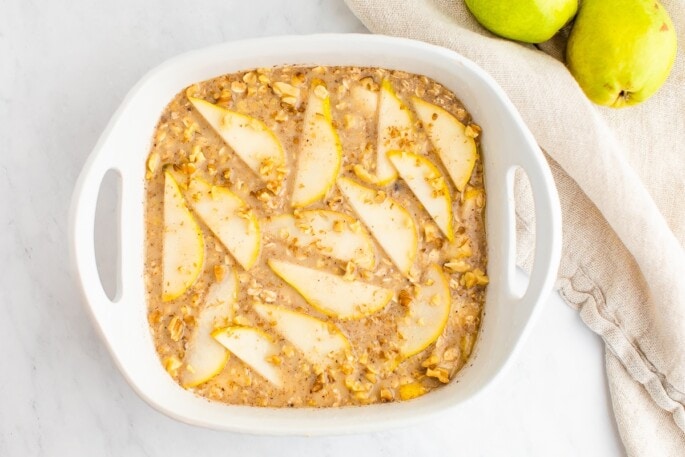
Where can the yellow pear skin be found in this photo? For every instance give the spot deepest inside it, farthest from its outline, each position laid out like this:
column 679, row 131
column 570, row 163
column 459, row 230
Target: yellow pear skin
column 621, row 51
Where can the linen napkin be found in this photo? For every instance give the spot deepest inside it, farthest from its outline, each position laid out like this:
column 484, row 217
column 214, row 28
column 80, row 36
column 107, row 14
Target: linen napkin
column 621, row 181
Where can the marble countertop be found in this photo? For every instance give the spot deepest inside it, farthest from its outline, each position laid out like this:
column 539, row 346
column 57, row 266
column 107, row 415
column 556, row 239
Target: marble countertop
column 65, row 68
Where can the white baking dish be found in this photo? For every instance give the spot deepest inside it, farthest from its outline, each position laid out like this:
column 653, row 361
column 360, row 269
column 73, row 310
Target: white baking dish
column 123, row 147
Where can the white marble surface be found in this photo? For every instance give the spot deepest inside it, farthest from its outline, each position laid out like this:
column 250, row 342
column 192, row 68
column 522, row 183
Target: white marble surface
column 64, row 68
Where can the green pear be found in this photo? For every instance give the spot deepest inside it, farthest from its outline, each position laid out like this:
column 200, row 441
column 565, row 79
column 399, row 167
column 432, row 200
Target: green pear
column 621, row 51
column 530, row 21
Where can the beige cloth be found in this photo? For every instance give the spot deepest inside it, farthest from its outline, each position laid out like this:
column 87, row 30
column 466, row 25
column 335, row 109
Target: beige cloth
column 621, row 180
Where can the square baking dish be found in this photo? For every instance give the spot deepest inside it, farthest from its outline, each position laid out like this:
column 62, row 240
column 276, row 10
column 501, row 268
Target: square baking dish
column 507, row 144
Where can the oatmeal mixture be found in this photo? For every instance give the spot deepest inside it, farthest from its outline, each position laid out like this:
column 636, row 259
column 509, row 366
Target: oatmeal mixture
column 288, row 264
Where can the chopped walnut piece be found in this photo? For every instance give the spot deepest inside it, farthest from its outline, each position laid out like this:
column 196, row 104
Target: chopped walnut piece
column 175, row 328
column 347, row 368
column 472, row 130
column 386, row 394
column 172, row 364
column 473, row 278
column 250, row 77
column 431, row 361
column 189, row 132
column 431, row 232
column 297, row 79
column 321, row 91
column 451, row 354
column 263, row 195
column 369, row 84
column 440, row 373
column 153, row 162
column 321, row 380
column 292, row 101
column 411, row 390
column 281, row 116
column 405, row 298
column 371, row 377
column 196, row 155
column 463, row 250
column 466, row 345
column 188, row 168
column 238, row 87
column 457, row 266
column 284, row 89
column 154, row 317
column 350, row 271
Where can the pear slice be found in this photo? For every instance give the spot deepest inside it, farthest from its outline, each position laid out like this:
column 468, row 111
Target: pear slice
column 254, row 348
column 334, row 234
column 229, row 218
column 320, row 150
column 205, row 358
column 320, row 342
column 250, row 138
column 456, row 150
column 391, row 224
column 365, row 101
column 428, row 185
column 183, row 250
column 427, row 315
column 395, row 131
column 332, row 294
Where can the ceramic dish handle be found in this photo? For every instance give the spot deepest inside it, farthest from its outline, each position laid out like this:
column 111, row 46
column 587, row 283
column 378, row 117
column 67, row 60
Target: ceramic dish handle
column 82, row 231
column 547, row 226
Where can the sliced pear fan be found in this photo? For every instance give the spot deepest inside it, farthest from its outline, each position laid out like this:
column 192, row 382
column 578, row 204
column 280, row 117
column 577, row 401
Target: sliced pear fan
column 389, row 223
column 320, row 150
column 456, row 150
column 320, row 342
column 428, row 185
column 332, row 294
column 205, row 357
column 183, row 249
column 249, row 137
column 254, row 348
column 427, row 314
column 333, row 234
column 229, row 218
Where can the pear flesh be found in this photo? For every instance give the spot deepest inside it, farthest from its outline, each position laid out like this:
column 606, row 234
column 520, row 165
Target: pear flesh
column 332, row 294
column 428, row 185
column 254, row 348
column 205, row 357
column 320, row 342
column 621, row 52
column 250, row 138
column 428, row 314
column 388, row 221
column 229, row 218
column 183, row 244
column 331, row 233
column 456, row 149
column 320, row 151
